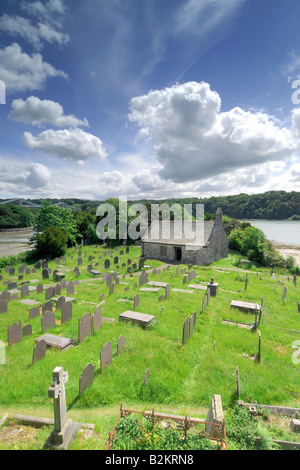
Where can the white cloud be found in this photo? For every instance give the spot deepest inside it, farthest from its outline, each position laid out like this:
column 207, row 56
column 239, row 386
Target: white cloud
column 38, row 176
column 194, row 140
column 22, row 72
column 37, row 112
column 74, row 145
column 35, row 35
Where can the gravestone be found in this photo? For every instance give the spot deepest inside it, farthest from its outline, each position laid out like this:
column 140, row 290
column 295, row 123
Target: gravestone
column 12, row 285
column 64, row 428
column 86, row 378
column 107, row 264
column 57, row 290
column 213, row 288
column 191, row 276
column 39, row 288
column 106, row 355
column 70, row 288
column 14, row 333
column 185, row 280
column 167, row 291
column 47, row 306
column 45, row 273
column 63, row 283
column 208, row 296
column 97, row 320
column 238, row 385
column 84, row 327
column 192, row 324
column 203, row 303
column 185, row 333
column 146, row 377
column 141, row 263
column 136, row 301
column 59, row 302
column 49, row 293
column 27, row 331
column 143, row 279
column 34, row 312
column 121, row 344
column 48, row 321
column 111, row 289
column 246, row 282
column 66, row 312
column 24, row 291
column 284, row 293
column 116, row 260
column 109, row 279
column 5, row 295
column 3, row 306
column 39, row 351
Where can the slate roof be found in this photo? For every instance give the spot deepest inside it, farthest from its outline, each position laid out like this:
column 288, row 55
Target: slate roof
column 181, row 233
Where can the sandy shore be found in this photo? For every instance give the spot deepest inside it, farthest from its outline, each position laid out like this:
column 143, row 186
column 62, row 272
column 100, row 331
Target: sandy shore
column 289, row 250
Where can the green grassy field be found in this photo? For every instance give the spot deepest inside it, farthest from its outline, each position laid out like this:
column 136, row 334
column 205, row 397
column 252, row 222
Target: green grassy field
column 182, row 379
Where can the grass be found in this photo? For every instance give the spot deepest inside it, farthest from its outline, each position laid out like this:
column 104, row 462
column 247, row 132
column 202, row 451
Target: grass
column 181, row 378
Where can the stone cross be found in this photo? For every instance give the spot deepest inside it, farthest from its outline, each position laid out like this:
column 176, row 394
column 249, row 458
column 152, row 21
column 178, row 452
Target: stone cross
column 57, row 392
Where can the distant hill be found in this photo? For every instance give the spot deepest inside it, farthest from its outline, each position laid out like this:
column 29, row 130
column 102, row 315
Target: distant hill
column 272, row 205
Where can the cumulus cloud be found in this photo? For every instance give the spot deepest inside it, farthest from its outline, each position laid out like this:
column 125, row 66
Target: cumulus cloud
column 38, row 176
column 194, row 140
column 22, row 72
column 74, row 144
column 38, row 112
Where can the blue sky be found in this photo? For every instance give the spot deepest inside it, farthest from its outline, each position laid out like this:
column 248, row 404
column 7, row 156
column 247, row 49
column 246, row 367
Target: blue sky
column 149, row 98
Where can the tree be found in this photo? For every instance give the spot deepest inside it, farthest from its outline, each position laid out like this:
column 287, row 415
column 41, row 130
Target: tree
column 51, row 243
column 56, row 216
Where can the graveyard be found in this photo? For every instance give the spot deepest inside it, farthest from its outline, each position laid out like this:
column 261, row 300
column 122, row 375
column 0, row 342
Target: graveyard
column 144, row 334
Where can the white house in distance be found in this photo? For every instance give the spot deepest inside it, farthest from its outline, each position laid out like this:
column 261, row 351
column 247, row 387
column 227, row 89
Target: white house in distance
column 169, row 241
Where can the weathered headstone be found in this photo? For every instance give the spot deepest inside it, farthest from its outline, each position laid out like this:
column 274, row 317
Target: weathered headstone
column 39, row 350
column 121, row 344
column 34, row 312
column 49, row 293
column 111, row 289
column 64, row 428
column 47, row 306
column 66, row 312
column 213, row 288
column 284, row 294
column 185, row 333
column 27, row 330
column 97, row 320
column 107, row 264
column 136, row 301
column 3, row 306
column 84, row 327
column 45, row 273
column 70, row 288
column 24, row 291
column 14, row 333
column 86, row 378
column 106, row 355
column 48, row 321
column 146, row 377
column 39, row 288
column 167, row 290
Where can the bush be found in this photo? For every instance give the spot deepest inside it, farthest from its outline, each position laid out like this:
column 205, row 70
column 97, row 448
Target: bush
column 51, row 243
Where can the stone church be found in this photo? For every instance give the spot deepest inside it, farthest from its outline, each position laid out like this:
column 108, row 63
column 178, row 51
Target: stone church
column 170, row 241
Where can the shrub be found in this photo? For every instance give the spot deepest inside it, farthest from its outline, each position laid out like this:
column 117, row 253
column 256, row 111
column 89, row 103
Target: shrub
column 51, row 243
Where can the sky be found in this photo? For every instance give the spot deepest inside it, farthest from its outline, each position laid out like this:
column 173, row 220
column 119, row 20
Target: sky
column 148, row 99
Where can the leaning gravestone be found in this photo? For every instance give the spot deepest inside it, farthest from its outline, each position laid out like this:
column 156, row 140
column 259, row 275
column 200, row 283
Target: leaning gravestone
column 84, row 327
column 27, row 331
column 66, row 312
column 48, row 321
column 86, row 378
column 97, row 320
column 106, row 355
column 146, row 377
column 121, row 344
column 185, row 333
column 14, row 333
column 34, row 312
column 136, row 301
column 284, row 293
column 39, row 350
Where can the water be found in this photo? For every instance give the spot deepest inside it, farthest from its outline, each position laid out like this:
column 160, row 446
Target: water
column 12, row 243
column 284, row 232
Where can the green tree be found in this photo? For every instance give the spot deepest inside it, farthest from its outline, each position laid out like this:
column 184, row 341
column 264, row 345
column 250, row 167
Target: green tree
column 56, row 216
column 51, row 243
